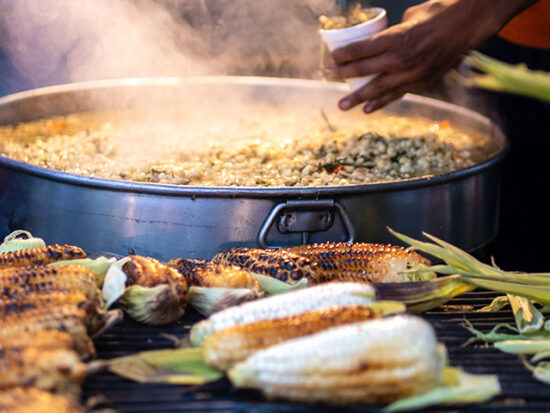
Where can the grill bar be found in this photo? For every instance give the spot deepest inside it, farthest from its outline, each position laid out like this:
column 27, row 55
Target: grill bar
column 520, row 391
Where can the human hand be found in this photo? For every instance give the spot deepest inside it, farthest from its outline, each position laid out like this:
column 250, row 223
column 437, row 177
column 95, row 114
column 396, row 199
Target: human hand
column 431, row 39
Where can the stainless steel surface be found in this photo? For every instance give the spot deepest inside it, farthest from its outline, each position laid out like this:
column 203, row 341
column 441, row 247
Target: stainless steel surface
column 167, row 221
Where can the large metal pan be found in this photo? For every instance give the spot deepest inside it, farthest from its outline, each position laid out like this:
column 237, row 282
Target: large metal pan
column 165, row 221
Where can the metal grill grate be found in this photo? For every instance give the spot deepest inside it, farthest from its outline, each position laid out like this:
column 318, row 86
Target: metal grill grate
column 520, row 392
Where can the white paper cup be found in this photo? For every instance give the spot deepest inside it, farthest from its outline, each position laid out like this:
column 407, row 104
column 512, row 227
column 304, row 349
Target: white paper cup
column 336, row 38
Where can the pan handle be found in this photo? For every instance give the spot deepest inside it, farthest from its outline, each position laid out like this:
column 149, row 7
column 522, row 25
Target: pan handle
column 305, row 216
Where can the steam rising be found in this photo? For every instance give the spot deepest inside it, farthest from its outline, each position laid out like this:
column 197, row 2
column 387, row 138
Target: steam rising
column 60, row 41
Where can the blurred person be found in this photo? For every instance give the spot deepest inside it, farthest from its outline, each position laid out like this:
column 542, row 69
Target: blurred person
column 432, row 38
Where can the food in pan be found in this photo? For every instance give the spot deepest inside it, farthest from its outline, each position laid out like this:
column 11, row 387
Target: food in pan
column 259, row 146
column 368, row 362
column 226, row 347
column 283, row 305
column 357, row 15
column 40, row 256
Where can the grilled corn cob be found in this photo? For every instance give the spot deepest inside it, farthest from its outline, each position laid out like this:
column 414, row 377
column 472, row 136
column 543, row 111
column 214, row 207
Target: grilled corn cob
column 57, row 370
column 67, row 318
column 36, row 339
column 280, row 264
column 39, row 279
column 367, row 362
column 226, row 347
column 284, row 305
column 158, row 294
column 21, row 302
column 202, row 273
column 40, row 256
column 30, row 400
column 360, row 261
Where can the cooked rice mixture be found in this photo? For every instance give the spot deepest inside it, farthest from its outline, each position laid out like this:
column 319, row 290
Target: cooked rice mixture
column 256, row 149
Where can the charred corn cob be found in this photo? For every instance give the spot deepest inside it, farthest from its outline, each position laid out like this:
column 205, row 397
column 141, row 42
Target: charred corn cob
column 24, row 302
column 57, row 370
column 188, row 267
column 367, row 362
column 37, row 339
column 39, row 279
column 40, row 256
column 284, row 305
column 30, row 400
column 202, row 273
column 68, row 319
column 280, row 264
column 158, row 294
column 226, row 347
column 359, row 261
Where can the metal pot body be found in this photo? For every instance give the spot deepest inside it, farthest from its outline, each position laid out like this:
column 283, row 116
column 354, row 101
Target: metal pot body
column 166, row 221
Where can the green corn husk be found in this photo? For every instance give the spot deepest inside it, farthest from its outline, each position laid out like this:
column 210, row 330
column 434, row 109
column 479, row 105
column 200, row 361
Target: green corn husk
column 272, row 286
column 458, row 387
column 421, row 296
column 208, row 300
column 98, row 265
column 528, row 319
column 12, row 242
column 523, row 346
column 505, row 77
column 497, row 304
column 152, row 305
column 172, row 366
column 535, row 287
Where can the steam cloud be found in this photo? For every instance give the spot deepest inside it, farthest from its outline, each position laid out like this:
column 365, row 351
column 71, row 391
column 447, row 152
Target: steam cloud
column 59, row 41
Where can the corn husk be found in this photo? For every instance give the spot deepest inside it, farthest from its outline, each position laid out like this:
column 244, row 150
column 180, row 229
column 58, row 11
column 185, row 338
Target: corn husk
column 528, row 319
column 504, row 77
column 208, row 300
column 14, row 242
column 172, row 366
column 535, row 287
column 114, row 283
column 272, row 286
column 497, row 304
column 458, row 387
column 152, row 305
column 421, row 296
column 99, row 265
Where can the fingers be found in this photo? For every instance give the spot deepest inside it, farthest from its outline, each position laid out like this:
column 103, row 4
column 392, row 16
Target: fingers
column 380, row 87
column 364, row 48
column 382, row 63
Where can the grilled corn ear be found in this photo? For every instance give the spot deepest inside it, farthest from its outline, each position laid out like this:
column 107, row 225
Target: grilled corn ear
column 207, row 274
column 21, row 302
column 68, row 319
column 40, row 256
column 57, row 370
column 39, row 279
column 284, row 305
column 30, row 400
column 359, row 261
column 226, row 347
column 367, row 362
column 280, row 264
column 37, row 339
column 158, row 294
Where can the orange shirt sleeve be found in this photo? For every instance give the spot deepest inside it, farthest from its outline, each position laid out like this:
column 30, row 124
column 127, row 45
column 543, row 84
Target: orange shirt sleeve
column 531, row 27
